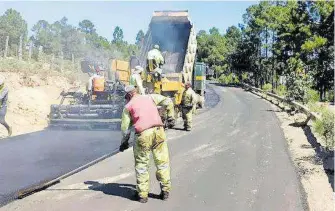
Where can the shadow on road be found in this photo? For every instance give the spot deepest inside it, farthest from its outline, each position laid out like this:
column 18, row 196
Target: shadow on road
column 182, row 129
column 127, row 191
column 115, row 189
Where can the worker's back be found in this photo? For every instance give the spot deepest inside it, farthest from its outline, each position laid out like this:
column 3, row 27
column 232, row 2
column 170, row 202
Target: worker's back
column 144, row 113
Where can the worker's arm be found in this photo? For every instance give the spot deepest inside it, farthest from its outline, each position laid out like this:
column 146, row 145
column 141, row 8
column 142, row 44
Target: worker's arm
column 161, row 100
column 125, row 125
column 194, row 98
column 90, row 82
column 160, row 57
column 158, row 99
column 139, row 84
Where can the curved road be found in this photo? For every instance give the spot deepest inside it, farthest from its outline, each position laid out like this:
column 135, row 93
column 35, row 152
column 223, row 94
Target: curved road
column 234, row 159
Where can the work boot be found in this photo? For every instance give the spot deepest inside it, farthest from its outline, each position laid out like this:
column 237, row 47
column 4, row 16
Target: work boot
column 141, row 199
column 164, row 195
column 171, row 123
column 10, row 131
column 187, row 128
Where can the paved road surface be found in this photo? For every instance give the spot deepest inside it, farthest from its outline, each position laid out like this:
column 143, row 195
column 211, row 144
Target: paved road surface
column 29, row 159
column 234, row 159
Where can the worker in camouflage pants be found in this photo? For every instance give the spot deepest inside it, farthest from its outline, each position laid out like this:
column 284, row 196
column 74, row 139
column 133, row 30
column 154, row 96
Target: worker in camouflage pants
column 161, row 100
column 3, row 106
column 188, row 104
column 141, row 113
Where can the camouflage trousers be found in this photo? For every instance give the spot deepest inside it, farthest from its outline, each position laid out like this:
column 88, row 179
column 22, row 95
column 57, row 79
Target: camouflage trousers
column 170, row 111
column 151, row 140
column 187, row 116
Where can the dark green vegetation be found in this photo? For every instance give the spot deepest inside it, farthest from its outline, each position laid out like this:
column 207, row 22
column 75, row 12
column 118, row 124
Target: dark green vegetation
column 60, row 39
column 294, row 40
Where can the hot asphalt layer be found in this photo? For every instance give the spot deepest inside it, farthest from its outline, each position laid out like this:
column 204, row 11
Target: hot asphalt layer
column 235, row 158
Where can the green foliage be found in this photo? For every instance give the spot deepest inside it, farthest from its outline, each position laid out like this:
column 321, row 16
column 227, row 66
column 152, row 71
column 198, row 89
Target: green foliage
column 267, row 87
column 314, row 43
column 118, row 35
column 312, row 96
column 331, row 96
column 215, row 49
column 244, row 77
column 13, row 25
column 298, row 82
column 281, row 37
column 87, row 27
column 325, row 127
column 61, row 40
column 230, row 79
column 281, row 90
column 139, row 37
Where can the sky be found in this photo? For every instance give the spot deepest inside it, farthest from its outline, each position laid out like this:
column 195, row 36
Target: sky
column 130, row 16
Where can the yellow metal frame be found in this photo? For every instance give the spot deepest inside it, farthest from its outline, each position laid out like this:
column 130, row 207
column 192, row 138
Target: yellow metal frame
column 166, row 85
column 123, row 69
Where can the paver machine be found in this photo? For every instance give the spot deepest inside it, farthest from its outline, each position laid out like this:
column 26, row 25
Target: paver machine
column 97, row 108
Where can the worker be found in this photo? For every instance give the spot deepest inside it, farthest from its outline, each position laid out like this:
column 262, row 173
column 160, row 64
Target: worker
column 134, row 61
column 142, row 114
column 161, row 100
column 3, row 108
column 136, row 80
column 188, row 103
column 156, row 56
column 96, row 82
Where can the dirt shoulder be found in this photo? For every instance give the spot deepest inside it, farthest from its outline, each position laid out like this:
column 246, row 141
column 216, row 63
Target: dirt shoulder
column 29, row 100
column 309, row 163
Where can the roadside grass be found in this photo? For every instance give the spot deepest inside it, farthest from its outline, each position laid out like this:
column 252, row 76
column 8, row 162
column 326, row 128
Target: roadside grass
column 41, row 68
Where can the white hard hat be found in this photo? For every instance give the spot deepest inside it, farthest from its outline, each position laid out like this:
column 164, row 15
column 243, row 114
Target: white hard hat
column 129, row 88
column 156, row 46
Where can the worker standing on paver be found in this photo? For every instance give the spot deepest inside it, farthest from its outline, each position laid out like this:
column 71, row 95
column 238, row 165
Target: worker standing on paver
column 136, row 80
column 141, row 113
column 156, row 56
column 133, row 61
column 3, row 104
column 188, row 103
column 96, row 82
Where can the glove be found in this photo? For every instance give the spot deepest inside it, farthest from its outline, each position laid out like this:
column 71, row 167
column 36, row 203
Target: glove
column 124, row 146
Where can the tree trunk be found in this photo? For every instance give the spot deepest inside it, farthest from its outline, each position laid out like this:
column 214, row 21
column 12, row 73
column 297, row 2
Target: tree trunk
column 6, row 47
column 40, row 50
column 61, row 61
column 73, row 68
column 20, row 48
column 273, row 62
column 30, row 49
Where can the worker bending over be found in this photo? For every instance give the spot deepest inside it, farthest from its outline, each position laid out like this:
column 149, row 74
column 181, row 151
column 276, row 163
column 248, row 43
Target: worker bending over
column 161, row 100
column 188, row 103
column 3, row 106
column 141, row 113
column 136, row 80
